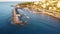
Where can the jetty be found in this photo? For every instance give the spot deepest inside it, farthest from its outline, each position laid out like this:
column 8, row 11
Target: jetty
column 15, row 18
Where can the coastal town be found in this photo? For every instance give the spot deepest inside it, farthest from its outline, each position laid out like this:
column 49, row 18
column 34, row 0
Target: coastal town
column 50, row 7
column 30, row 17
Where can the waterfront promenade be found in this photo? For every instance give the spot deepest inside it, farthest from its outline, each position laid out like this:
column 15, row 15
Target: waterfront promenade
column 39, row 7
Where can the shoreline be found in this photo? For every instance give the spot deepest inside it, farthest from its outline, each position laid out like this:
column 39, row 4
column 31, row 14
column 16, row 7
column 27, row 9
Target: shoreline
column 50, row 14
column 44, row 12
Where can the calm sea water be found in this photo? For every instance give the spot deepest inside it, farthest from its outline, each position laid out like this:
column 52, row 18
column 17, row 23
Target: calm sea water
column 37, row 23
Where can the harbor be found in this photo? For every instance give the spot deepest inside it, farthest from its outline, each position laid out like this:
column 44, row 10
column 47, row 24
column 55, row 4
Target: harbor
column 36, row 23
column 52, row 9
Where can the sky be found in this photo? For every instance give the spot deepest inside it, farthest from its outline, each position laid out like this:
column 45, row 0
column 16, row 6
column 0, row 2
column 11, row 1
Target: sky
column 17, row 0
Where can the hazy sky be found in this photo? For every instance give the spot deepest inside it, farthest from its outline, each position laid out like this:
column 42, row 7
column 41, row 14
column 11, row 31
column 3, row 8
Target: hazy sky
column 16, row 0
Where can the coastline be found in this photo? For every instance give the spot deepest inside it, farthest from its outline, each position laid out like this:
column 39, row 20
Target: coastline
column 50, row 14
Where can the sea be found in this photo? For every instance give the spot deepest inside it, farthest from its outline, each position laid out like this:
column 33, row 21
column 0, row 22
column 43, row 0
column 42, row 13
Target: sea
column 36, row 24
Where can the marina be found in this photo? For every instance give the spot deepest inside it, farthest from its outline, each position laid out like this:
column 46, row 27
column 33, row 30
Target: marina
column 35, row 23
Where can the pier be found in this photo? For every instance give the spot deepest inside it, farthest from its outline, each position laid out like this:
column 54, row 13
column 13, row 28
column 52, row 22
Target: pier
column 15, row 18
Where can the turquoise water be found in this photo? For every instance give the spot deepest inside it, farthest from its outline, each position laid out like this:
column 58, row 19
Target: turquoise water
column 37, row 23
